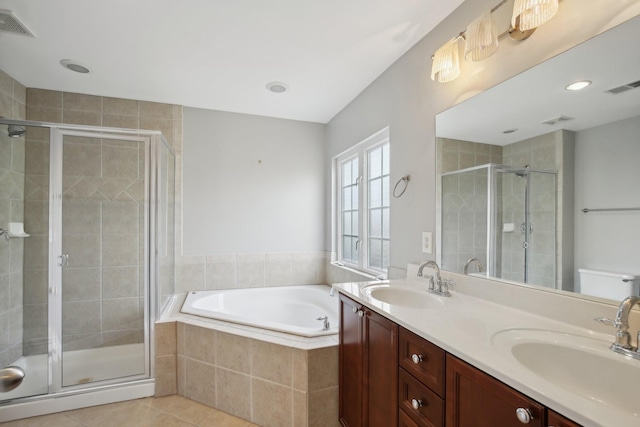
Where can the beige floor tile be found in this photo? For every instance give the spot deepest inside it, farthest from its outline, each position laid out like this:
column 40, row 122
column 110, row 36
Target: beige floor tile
column 182, row 407
column 169, row 411
column 96, row 413
column 166, row 420
column 54, row 420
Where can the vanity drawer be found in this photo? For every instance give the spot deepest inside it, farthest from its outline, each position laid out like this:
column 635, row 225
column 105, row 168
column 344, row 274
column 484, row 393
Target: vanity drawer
column 430, row 412
column 405, row 420
column 423, row 360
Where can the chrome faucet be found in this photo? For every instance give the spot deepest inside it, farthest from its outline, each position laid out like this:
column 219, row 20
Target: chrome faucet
column 623, row 338
column 473, row 260
column 436, row 284
column 325, row 322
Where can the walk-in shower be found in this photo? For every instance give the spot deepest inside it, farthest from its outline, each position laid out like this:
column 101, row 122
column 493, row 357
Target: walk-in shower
column 81, row 285
column 505, row 217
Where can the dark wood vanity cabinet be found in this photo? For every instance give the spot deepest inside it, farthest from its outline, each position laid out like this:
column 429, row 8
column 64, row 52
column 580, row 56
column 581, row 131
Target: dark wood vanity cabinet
column 368, row 367
column 556, row 420
column 475, row 399
column 390, row 376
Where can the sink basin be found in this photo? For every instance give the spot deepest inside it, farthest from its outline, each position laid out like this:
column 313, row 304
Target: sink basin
column 403, row 295
column 579, row 364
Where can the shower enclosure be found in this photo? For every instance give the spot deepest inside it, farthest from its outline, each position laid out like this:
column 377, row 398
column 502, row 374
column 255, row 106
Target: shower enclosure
column 503, row 216
column 82, row 285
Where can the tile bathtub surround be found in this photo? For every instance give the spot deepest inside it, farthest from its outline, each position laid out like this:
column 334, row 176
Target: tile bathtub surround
column 268, row 384
column 225, row 271
column 12, row 170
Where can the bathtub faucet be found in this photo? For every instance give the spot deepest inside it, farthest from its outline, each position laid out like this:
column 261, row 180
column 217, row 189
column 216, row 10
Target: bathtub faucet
column 326, row 325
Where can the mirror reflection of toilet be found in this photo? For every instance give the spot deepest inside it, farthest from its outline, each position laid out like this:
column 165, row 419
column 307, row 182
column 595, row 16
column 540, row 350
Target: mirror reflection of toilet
column 616, row 286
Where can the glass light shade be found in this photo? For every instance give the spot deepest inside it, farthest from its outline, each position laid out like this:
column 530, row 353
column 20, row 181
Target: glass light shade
column 533, row 13
column 446, row 62
column 481, row 38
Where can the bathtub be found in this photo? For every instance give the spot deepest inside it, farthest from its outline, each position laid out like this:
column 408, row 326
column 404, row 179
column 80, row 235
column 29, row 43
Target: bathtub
column 298, row 310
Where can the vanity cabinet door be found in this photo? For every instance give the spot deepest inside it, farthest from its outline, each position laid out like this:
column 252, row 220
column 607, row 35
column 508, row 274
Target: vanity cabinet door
column 351, row 354
column 475, row 399
column 556, row 420
column 381, row 376
column 368, row 367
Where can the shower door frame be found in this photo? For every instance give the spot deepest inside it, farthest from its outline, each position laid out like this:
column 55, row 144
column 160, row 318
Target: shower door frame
column 492, row 211
column 55, row 359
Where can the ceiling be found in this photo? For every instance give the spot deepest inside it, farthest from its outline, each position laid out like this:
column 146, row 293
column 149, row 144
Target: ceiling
column 218, row 54
column 527, row 100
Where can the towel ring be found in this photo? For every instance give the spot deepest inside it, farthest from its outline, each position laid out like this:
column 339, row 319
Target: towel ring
column 404, row 179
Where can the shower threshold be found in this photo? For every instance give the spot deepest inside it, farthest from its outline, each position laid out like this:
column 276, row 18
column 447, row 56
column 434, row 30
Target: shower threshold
column 80, row 367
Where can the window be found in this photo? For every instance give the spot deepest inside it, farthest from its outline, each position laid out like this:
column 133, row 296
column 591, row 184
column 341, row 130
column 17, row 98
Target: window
column 363, row 208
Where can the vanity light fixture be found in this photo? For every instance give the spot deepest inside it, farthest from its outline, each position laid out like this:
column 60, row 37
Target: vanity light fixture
column 446, row 62
column 578, row 85
column 481, row 38
column 531, row 14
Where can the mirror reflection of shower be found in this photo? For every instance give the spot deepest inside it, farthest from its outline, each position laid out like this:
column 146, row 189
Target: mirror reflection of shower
column 489, row 212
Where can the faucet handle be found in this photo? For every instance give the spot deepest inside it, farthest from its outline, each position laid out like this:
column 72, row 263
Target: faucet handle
column 607, row 321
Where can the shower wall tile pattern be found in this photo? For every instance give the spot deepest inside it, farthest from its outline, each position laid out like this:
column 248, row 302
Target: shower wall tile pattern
column 12, row 168
column 103, row 187
column 545, row 152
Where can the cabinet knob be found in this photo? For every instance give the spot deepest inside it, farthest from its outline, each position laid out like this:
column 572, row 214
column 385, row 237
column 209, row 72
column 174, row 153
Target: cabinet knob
column 524, row 415
column 416, row 358
column 355, row 310
column 361, row 313
column 416, row 404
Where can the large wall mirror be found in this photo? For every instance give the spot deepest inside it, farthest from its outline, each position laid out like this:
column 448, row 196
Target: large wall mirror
column 541, row 184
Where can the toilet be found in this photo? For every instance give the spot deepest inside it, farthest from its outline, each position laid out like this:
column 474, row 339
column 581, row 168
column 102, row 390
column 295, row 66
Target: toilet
column 605, row 284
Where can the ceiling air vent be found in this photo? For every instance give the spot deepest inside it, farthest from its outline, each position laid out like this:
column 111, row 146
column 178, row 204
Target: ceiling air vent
column 623, row 88
column 10, row 24
column 557, row 120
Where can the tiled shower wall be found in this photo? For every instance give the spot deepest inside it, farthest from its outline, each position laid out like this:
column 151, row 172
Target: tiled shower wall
column 552, row 151
column 12, row 154
column 102, row 291
column 464, row 212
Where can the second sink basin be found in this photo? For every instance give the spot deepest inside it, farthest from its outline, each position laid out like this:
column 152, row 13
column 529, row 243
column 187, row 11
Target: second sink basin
column 402, row 295
column 579, row 364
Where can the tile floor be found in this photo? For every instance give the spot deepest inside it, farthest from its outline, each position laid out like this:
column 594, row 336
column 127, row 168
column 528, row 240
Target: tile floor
column 169, row 411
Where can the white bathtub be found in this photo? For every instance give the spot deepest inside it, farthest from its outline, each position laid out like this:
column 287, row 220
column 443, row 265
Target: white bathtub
column 290, row 309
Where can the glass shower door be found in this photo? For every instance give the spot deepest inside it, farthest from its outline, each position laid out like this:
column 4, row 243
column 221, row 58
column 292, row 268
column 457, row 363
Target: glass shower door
column 103, row 242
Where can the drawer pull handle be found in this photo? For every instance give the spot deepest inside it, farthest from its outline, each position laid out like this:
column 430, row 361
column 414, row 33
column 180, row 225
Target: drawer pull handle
column 416, row 358
column 355, row 310
column 361, row 313
column 416, row 404
column 524, row 415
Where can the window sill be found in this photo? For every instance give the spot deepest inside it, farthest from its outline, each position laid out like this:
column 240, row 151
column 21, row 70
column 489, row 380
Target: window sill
column 368, row 275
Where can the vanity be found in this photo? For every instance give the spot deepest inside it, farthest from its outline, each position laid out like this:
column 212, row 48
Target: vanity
column 478, row 358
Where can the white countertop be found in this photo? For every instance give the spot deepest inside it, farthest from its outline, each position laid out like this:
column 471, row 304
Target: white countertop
column 465, row 326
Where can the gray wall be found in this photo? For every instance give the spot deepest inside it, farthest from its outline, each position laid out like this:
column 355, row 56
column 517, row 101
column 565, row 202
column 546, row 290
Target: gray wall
column 405, row 99
column 251, row 184
column 607, row 176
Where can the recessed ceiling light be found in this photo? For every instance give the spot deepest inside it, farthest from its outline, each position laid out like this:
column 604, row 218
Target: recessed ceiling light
column 508, row 131
column 578, row 85
column 74, row 66
column 277, row 87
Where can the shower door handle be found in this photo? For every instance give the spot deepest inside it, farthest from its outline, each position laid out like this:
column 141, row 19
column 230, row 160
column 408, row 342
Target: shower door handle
column 64, row 260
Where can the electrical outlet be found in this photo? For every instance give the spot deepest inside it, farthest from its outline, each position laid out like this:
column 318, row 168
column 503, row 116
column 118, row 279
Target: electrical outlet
column 427, row 242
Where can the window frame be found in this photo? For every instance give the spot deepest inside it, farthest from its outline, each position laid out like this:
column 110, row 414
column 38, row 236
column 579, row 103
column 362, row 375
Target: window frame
column 360, row 151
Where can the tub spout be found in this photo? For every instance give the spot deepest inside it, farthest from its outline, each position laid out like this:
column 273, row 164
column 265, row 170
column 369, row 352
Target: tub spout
column 326, row 324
